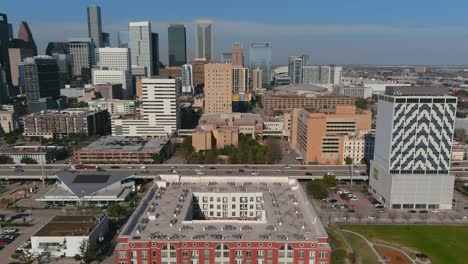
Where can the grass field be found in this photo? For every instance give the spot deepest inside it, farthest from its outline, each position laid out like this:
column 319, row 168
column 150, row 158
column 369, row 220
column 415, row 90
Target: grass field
column 362, row 252
column 443, row 244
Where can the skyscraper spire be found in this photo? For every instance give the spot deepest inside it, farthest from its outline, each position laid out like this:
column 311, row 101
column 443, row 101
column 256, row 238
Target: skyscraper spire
column 24, row 33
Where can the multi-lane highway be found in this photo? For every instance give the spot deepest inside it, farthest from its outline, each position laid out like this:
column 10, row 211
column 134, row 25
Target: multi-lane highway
column 295, row 171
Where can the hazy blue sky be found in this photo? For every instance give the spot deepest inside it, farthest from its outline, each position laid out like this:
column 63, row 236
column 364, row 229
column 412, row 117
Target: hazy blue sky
column 333, row 31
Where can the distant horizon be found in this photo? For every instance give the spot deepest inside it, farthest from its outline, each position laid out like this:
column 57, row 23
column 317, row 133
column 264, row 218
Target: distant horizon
column 357, row 33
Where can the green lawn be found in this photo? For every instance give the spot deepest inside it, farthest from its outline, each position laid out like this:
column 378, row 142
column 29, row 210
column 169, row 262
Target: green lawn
column 443, row 244
column 362, row 252
column 340, row 251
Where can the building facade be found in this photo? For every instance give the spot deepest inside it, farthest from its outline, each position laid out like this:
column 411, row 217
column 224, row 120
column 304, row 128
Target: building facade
column 413, row 146
column 83, row 54
column 240, row 80
column 218, row 88
column 160, row 107
column 9, row 122
column 319, row 135
column 177, row 44
column 114, row 107
column 141, row 45
column 204, row 39
column 232, row 226
column 237, row 54
column 187, row 79
column 356, row 92
column 260, row 57
column 105, row 75
column 198, row 69
column 257, row 77
column 287, row 101
column 94, row 25
column 69, row 121
column 4, row 45
column 155, row 53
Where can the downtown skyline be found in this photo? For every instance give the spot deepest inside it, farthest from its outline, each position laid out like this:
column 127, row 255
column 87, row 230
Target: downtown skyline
column 362, row 33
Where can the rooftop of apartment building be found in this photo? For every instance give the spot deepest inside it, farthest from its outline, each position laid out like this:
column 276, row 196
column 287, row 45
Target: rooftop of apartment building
column 66, row 112
column 168, row 213
column 69, row 225
column 225, row 117
column 417, row 91
column 126, row 144
column 339, row 110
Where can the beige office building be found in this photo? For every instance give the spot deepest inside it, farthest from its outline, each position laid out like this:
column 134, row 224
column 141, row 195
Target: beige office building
column 17, row 55
column 218, row 88
column 257, row 80
column 319, row 135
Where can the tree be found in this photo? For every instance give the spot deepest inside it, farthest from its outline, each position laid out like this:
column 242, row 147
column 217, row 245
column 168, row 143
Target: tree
column 317, row 189
column 116, row 211
column 329, row 180
column 5, row 160
column 362, row 103
column 348, row 160
column 274, row 153
column 88, row 250
column 211, row 157
column 460, row 134
column 156, row 158
column 28, row 160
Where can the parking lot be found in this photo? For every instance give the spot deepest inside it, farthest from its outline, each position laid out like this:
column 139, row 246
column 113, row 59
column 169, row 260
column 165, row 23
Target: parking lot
column 353, row 204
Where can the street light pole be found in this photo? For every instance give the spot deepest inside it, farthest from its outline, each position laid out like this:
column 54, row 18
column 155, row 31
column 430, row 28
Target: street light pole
column 42, row 160
column 351, row 173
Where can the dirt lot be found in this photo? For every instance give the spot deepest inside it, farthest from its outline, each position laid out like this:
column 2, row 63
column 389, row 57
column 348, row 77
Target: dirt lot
column 392, row 256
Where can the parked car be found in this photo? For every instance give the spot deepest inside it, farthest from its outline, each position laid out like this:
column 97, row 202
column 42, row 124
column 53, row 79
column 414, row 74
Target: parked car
column 381, row 211
column 371, row 217
column 412, row 211
column 200, row 173
column 254, row 173
column 423, row 212
column 241, row 170
column 287, row 166
column 48, row 167
column 434, row 211
column 10, row 230
column 455, row 163
column 333, row 200
column 115, row 167
column 308, row 173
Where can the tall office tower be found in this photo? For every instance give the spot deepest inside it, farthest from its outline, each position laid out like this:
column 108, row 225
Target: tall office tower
column 226, row 58
column 257, row 80
column 114, row 68
column 198, row 69
column 105, row 39
column 57, row 47
column 237, row 54
column 413, row 147
column 83, row 54
column 218, row 88
column 16, row 55
column 240, row 80
column 204, row 39
column 336, row 74
column 41, row 79
column 160, row 107
column 187, row 79
column 10, row 31
column 155, row 53
column 4, row 45
column 94, row 25
column 140, row 45
column 3, row 87
column 123, row 39
column 24, row 33
column 64, row 62
column 177, row 45
column 260, row 57
column 295, row 69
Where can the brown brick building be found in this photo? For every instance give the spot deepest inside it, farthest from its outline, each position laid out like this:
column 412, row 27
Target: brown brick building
column 287, row 101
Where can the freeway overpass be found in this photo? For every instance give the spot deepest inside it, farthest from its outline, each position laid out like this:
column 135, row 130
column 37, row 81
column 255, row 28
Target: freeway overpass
column 228, row 170
column 294, row 171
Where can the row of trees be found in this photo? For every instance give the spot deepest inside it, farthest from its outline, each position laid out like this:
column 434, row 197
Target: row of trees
column 319, row 188
column 249, row 151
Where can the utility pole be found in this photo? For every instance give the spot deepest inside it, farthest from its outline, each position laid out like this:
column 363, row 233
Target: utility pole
column 352, row 164
column 42, row 160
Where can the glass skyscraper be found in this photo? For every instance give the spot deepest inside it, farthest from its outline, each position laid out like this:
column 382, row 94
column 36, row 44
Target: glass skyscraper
column 141, row 45
column 94, row 25
column 204, row 39
column 123, row 39
column 260, row 57
column 177, row 45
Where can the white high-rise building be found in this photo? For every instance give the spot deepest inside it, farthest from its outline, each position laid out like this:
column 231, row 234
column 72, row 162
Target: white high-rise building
column 116, row 58
column 114, row 67
column 413, row 146
column 204, row 39
column 141, row 45
column 83, row 54
column 160, row 107
column 187, row 79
